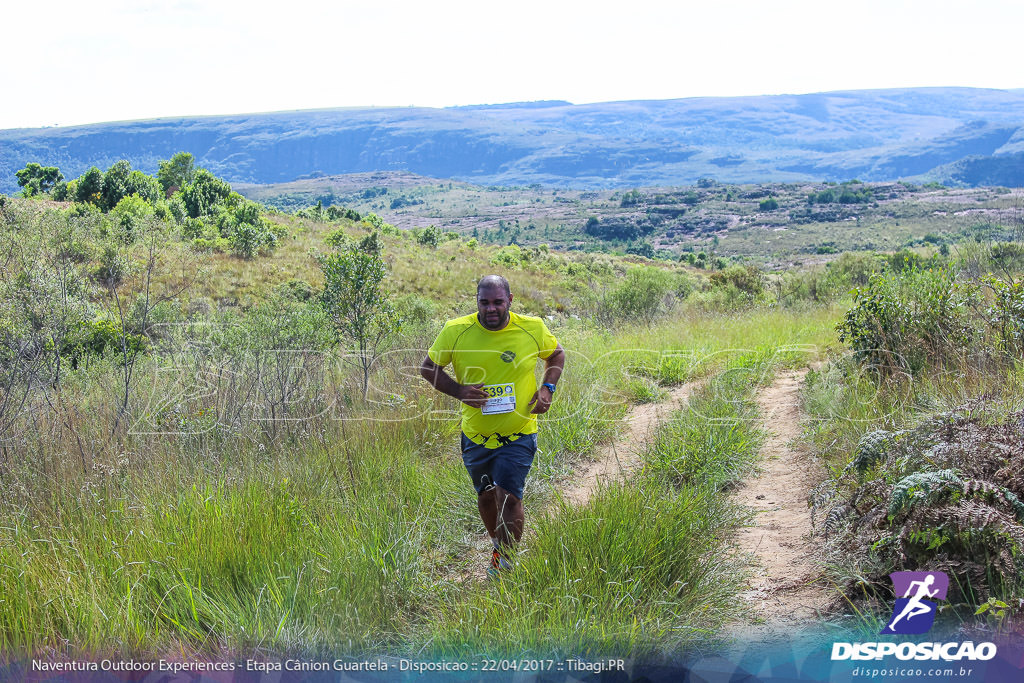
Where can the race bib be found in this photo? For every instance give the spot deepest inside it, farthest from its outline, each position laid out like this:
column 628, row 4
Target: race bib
column 501, row 399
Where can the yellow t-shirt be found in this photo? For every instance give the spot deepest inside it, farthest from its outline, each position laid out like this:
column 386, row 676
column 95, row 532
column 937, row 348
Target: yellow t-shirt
column 504, row 361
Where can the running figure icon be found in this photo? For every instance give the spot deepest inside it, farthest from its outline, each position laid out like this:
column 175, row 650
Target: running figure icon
column 916, row 588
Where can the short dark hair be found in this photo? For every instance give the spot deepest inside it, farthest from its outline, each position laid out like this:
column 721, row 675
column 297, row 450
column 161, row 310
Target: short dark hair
column 493, row 281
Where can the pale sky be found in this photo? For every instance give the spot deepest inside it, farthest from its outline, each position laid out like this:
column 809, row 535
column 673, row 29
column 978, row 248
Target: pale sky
column 72, row 61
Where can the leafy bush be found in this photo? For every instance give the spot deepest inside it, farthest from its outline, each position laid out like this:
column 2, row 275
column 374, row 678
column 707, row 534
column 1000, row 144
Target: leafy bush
column 204, row 193
column 746, row 279
column 194, row 228
column 371, row 244
column 510, row 256
column 335, row 213
column 248, row 240
column 631, row 198
column 416, row 310
column 215, row 244
column 128, row 214
column 615, row 229
column 428, row 237
column 1006, row 314
column 247, row 231
column 98, row 337
column 37, row 179
column 358, row 306
column 643, row 294
column 89, row 186
column 338, row 239
column 853, row 269
column 645, row 249
column 176, row 172
column 112, row 267
column 905, row 321
column 296, row 289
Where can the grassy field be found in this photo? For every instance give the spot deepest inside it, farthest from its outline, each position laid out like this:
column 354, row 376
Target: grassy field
column 351, row 537
column 224, row 490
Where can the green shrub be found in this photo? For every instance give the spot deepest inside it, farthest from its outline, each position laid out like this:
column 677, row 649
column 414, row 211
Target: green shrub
column 371, row 244
column 89, row 186
column 631, row 198
column 428, row 237
column 853, row 269
column 746, row 279
column 1006, row 314
column 338, row 239
column 416, row 310
column 685, row 285
column 64, row 191
column 645, row 249
column 203, row 194
column 194, row 228
column 112, row 267
column 908, row 320
column 128, row 215
column 643, row 294
column 98, row 337
column 248, row 240
column 215, row 244
column 510, row 256
column 335, row 213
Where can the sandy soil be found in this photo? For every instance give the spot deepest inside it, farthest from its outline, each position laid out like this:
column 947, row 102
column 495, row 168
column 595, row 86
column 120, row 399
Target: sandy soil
column 785, row 588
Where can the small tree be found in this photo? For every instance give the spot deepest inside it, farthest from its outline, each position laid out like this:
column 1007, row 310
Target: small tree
column 90, row 186
column 115, row 184
column 204, row 193
column 357, row 305
column 429, row 237
column 176, row 172
column 132, row 281
column 146, row 186
column 37, row 179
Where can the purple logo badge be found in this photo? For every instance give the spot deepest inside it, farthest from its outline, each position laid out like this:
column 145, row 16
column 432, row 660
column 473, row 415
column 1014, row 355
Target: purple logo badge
column 914, row 611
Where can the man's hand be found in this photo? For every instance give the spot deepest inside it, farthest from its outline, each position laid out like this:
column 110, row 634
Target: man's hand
column 472, row 395
column 542, row 397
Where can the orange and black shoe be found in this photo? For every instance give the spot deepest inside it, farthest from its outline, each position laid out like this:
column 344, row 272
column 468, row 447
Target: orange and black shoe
column 499, row 565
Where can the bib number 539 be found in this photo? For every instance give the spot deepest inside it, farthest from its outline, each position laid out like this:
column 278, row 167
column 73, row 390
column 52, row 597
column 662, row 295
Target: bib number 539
column 501, row 399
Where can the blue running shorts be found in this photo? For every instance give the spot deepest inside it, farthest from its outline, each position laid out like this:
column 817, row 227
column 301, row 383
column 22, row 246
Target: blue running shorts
column 505, row 466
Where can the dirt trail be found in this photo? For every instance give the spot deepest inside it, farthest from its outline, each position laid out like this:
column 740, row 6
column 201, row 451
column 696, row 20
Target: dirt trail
column 620, row 457
column 785, row 588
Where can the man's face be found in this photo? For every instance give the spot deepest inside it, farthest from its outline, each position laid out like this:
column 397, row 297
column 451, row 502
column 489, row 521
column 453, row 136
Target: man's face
column 492, row 306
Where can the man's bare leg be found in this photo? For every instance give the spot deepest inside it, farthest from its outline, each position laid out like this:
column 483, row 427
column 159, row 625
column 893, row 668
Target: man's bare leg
column 502, row 515
column 487, row 505
column 509, row 517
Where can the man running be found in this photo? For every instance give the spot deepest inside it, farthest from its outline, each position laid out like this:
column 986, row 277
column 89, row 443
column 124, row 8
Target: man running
column 493, row 353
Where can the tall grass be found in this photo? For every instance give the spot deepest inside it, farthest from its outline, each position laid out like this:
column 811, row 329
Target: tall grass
column 223, row 536
column 643, row 568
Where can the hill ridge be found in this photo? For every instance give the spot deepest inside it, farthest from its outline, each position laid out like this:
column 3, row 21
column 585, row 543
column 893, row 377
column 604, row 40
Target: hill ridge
column 834, row 135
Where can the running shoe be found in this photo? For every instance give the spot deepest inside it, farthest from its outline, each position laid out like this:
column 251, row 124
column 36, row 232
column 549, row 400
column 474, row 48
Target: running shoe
column 499, row 565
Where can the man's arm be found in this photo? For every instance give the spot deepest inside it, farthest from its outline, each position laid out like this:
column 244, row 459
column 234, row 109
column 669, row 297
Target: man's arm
column 470, row 394
column 553, row 366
